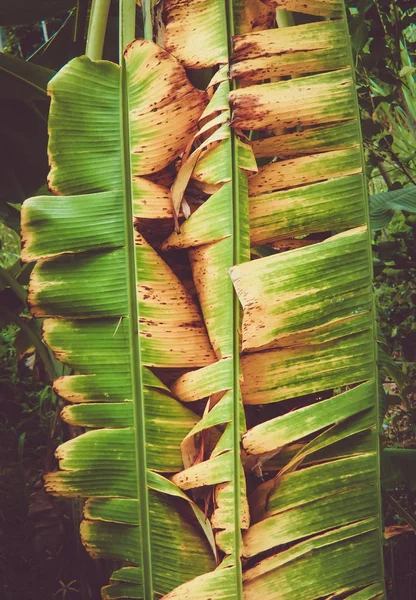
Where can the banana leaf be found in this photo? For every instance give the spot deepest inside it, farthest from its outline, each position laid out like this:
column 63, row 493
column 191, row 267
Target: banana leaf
column 231, row 404
column 98, row 281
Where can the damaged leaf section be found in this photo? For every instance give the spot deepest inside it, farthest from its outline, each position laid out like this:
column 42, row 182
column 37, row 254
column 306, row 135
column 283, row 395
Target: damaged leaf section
column 216, row 236
column 86, row 101
column 308, row 329
column 115, row 309
column 309, row 48
column 318, row 8
column 310, row 293
column 185, row 22
column 209, row 236
column 350, row 551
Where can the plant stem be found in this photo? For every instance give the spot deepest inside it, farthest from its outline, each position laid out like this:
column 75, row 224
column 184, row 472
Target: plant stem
column 35, row 339
column 284, row 18
column 96, row 29
column 127, row 25
column 14, row 285
column 236, row 258
column 401, row 165
column 147, row 19
column 384, row 173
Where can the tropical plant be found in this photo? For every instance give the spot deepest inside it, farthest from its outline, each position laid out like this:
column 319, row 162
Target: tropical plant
column 383, row 205
column 269, row 419
column 384, row 43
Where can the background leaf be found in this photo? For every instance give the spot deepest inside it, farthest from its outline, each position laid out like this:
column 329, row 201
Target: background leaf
column 383, row 205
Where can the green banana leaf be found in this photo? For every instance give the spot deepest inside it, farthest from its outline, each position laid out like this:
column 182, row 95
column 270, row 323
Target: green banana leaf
column 143, row 261
column 383, row 205
column 90, row 237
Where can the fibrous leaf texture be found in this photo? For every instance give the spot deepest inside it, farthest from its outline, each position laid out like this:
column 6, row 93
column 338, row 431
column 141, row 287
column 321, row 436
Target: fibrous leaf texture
column 224, row 363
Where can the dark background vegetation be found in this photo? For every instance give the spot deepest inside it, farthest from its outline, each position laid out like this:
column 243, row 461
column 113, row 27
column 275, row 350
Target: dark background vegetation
column 40, row 553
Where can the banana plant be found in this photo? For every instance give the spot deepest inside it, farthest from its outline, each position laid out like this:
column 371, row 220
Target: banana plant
column 205, row 269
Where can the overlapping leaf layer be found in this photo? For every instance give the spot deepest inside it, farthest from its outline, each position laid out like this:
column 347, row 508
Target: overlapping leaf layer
column 268, row 419
column 308, row 349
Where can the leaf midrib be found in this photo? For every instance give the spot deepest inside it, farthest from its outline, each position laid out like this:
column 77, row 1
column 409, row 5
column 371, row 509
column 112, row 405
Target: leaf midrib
column 236, row 233
column 127, row 14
